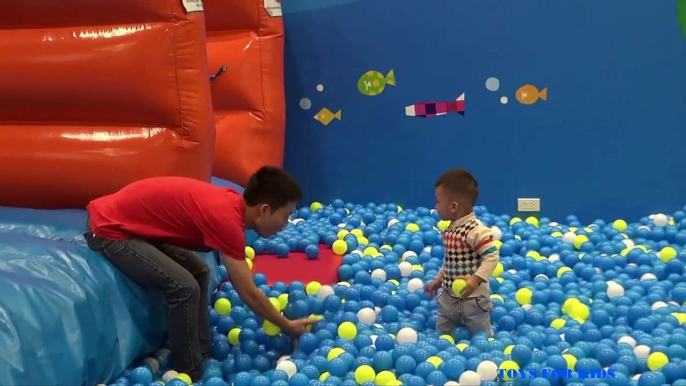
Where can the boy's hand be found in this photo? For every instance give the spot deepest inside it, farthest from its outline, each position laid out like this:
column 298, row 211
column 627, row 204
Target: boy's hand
column 299, row 327
column 472, row 284
column 430, row 288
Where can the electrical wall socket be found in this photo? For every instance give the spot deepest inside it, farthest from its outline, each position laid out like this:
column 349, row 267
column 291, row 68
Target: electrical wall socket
column 529, row 204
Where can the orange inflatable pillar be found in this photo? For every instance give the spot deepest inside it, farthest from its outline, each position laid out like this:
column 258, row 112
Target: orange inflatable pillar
column 246, row 36
column 98, row 94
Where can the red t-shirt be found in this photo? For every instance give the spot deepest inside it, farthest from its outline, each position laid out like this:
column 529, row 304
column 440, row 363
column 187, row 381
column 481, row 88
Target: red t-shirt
column 179, row 211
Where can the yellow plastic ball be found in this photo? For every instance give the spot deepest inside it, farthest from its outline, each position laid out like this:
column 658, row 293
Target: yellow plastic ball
column 371, row 251
column 534, row 255
column 384, row 378
column 508, row 365
column 448, row 338
column 580, row 312
column 418, row 267
column 283, row 300
column 667, row 254
column 443, row 225
column 270, row 328
column 312, row 287
column 508, row 349
column 515, row 220
column 335, row 353
column 523, row 296
column 436, row 361
column 315, row 206
column 569, row 304
column 620, row 225
column 400, row 208
column 558, row 323
column 393, row 383
column 364, row 373
column 249, row 253
column 579, row 240
column 412, row 227
column 680, row 317
column 562, row 270
column 324, row 375
column 497, row 297
column 571, row 361
column 458, row 286
column 532, row 220
column 222, row 306
column 275, row 303
column 362, row 241
column 233, row 336
column 499, row 269
column 339, row 247
column 185, row 378
column 342, row 233
column 357, row 232
column 557, row 234
column 347, row 330
column 250, row 264
column 657, row 360
column 461, row 346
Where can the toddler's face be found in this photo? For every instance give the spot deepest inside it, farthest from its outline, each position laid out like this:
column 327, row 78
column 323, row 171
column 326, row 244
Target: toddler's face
column 445, row 205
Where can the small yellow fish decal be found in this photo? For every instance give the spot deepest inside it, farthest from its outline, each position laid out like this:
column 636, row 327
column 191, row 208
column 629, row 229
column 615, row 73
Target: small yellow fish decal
column 529, row 94
column 325, row 116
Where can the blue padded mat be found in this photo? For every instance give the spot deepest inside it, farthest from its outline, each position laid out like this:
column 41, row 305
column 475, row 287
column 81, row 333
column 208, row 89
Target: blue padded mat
column 67, row 316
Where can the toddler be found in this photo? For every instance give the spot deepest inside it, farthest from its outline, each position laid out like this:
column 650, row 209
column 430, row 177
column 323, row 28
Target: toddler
column 470, row 255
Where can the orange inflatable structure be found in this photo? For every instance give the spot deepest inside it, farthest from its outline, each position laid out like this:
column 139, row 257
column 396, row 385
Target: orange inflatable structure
column 97, row 94
column 246, row 36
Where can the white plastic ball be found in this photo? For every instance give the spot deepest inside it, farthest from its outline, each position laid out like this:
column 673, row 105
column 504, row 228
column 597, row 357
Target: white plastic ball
column 407, row 335
column 427, row 249
column 373, row 338
column 392, row 222
column 288, row 367
column 661, row 220
column 469, row 378
column 569, row 237
column 628, row 340
column 614, row 290
column 379, row 274
column 512, row 271
column 169, row 375
column 283, row 358
column 629, row 243
column 648, row 276
column 297, row 221
column 527, row 307
column 554, row 257
column 377, row 310
column 642, row 351
column 366, row 316
column 415, row 284
column 405, row 269
column 497, row 233
column 342, row 225
column 636, row 377
column 598, row 270
column 357, row 252
column 644, row 227
column 451, row 383
column 487, row 370
column 324, row 291
column 553, row 224
column 407, row 255
column 541, row 276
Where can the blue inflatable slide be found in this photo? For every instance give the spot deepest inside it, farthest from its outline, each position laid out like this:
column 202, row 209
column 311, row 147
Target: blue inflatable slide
column 67, row 316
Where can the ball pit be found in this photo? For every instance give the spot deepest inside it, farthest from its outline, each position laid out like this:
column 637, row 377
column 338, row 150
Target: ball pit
column 568, row 298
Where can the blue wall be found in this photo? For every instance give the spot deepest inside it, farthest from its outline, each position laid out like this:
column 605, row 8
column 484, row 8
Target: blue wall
column 608, row 143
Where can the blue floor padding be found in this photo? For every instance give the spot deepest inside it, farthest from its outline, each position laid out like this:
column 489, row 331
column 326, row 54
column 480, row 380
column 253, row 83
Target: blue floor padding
column 67, row 317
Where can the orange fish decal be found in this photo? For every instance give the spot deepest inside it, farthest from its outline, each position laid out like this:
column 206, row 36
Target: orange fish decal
column 529, row 94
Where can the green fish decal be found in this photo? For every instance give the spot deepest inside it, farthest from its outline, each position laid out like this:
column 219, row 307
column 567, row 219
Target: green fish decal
column 681, row 15
column 372, row 83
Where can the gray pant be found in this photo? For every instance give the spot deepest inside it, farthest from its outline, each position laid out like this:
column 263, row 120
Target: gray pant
column 183, row 278
column 471, row 313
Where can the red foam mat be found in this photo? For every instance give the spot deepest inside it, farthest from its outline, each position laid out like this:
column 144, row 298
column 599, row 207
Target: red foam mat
column 296, row 267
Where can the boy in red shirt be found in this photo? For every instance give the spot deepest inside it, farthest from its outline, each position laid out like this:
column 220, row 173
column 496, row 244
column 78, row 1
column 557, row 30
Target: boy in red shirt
column 148, row 229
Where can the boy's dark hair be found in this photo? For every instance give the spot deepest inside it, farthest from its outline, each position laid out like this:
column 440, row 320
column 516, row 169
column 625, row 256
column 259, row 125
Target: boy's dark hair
column 461, row 183
column 272, row 186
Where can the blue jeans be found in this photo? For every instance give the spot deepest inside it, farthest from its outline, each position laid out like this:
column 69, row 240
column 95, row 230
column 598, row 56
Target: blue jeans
column 183, row 278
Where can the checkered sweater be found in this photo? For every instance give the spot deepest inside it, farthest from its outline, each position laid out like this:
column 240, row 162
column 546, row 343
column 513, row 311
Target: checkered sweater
column 469, row 250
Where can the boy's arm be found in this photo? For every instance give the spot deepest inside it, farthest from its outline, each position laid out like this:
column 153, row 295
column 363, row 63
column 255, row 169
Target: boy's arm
column 481, row 239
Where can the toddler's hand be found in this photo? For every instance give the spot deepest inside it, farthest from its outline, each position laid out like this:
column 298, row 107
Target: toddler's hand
column 431, row 288
column 472, row 284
